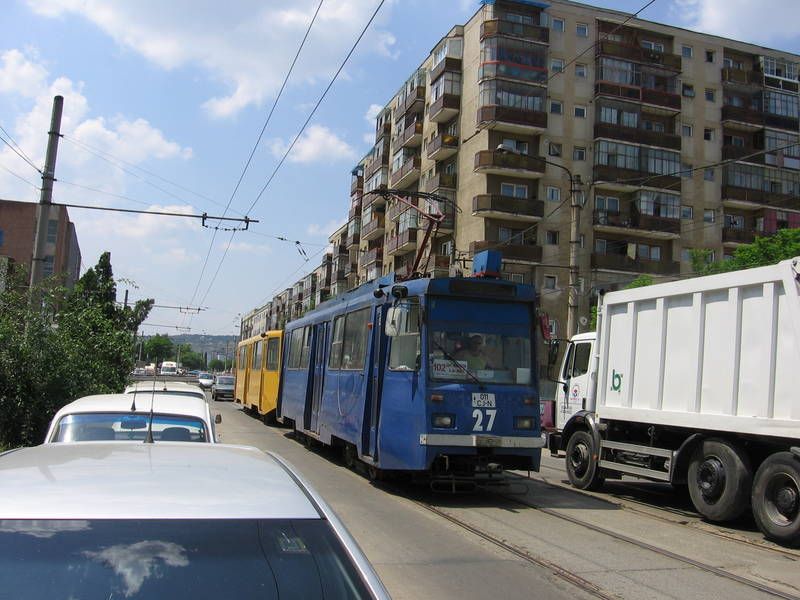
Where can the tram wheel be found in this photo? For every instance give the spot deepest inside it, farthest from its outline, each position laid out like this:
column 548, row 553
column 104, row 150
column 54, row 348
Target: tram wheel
column 720, row 480
column 349, row 456
column 374, row 473
column 776, row 498
column 582, row 465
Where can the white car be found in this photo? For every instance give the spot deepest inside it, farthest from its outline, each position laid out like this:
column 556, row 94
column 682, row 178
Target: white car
column 158, row 386
column 205, row 380
column 127, row 417
column 168, row 520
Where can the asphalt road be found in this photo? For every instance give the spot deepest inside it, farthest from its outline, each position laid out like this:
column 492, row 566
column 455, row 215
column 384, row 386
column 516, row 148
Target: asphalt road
column 545, row 541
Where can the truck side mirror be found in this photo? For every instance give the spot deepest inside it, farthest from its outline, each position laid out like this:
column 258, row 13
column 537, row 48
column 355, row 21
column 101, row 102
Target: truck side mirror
column 552, row 352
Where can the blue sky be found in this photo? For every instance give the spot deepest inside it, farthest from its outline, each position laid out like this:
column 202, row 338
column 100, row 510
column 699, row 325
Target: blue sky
column 176, row 93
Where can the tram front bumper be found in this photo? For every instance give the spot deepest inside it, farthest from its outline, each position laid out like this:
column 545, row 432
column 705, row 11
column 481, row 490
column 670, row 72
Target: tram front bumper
column 481, row 441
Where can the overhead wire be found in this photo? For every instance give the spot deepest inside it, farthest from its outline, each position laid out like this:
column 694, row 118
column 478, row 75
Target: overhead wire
column 25, row 156
column 21, row 154
column 20, row 177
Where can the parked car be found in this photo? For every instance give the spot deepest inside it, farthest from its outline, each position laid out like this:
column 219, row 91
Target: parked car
column 138, row 371
column 205, row 380
column 179, row 388
column 152, row 521
column 223, row 387
column 127, row 417
column 193, row 373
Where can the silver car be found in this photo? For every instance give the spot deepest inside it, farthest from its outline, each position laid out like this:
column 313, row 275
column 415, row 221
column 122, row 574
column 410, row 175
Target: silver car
column 170, row 520
column 205, row 380
column 223, row 388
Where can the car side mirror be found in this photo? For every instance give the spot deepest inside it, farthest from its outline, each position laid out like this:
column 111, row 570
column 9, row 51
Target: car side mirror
column 218, row 418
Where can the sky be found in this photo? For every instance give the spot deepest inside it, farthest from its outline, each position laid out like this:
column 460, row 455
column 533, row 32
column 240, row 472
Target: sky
column 164, row 101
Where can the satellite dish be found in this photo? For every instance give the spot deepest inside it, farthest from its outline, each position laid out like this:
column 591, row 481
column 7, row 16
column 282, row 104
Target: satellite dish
column 583, row 321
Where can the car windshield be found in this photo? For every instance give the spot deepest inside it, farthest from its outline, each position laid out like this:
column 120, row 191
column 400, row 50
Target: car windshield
column 144, row 559
column 124, row 427
column 487, row 357
column 225, row 380
column 204, row 376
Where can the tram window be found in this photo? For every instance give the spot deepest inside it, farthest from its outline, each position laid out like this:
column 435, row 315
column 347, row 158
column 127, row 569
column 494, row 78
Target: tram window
column 257, row 357
column 354, row 343
column 273, row 356
column 295, row 348
column 405, row 344
column 305, row 351
column 335, row 359
column 242, row 357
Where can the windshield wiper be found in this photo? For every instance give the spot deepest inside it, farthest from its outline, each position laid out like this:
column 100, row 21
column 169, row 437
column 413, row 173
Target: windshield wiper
column 449, row 356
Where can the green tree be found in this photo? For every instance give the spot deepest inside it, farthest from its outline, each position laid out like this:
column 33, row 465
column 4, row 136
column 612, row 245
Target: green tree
column 216, row 364
column 75, row 343
column 158, row 348
column 767, row 250
column 189, row 358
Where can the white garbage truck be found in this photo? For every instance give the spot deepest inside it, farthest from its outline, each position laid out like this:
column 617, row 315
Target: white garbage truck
column 692, row 382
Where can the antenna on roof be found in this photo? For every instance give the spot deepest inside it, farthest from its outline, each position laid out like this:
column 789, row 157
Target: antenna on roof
column 149, row 438
column 133, row 404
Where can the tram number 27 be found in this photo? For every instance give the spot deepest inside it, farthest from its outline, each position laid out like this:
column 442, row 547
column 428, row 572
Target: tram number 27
column 479, row 415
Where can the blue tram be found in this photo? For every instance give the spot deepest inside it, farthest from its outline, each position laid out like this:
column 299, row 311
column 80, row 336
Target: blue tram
column 426, row 375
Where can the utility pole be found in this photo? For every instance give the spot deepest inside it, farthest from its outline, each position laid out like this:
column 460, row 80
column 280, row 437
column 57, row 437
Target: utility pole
column 46, row 197
column 574, row 243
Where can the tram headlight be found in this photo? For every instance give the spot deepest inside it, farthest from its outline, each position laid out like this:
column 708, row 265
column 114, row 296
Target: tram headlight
column 523, row 422
column 443, row 421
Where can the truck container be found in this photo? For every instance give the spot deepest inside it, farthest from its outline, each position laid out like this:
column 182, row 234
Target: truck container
column 693, row 382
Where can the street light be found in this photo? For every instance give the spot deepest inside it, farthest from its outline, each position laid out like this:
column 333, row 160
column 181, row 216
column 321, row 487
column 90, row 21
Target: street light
column 576, row 204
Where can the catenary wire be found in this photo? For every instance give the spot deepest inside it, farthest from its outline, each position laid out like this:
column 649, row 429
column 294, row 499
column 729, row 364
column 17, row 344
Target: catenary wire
column 25, row 156
column 20, row 154
column 20, row 177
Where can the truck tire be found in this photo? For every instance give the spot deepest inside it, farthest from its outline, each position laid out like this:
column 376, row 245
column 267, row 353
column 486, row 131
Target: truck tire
column 776, row 498
column 582, row 468
column 720, row 479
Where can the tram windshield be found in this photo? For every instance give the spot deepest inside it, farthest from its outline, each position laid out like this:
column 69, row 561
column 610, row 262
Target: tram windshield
column 479, row 341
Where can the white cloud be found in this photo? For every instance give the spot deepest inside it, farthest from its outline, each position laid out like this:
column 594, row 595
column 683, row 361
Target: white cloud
column 741, row 19
column 19, row 75
column 247, row 47
column 140, row 226
column 317, row 144
column 246, row 247
column 372, row 112
column 317, row 230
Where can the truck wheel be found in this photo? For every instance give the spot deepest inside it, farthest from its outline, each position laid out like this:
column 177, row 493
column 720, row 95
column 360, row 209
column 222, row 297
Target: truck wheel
column 776, row 498
column 720, row 480
column 582, row 468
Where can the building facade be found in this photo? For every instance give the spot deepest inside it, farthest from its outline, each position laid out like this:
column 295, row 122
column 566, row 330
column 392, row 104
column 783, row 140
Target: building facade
column 17, row 233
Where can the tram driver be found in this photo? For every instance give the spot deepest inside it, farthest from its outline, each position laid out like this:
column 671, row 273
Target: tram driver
column 474, row 354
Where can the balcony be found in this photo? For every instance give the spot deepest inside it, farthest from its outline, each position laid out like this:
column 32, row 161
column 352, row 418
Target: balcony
column 739, row 152
column 351, row 240
column 402, row 243
column 513, row 120
column 739, row 197
column 448, row 64
column 372, row 230
column 651, row 226
column 741, row 117
column 355, row 211
column 495, row 162
column 441, row 181
column 439, row 266
column 531, row 33
column 629, row 179
column 660, row 98
column 414, row 102
column 383, row 130
column 350, row 268
column 442, row 146
column 507, row 207
column 373, row 256
column 732, row 235
column 374, row 166
column 742, row 78
column 622, row 262
column 397, row 208
column 637, row 136
column 411, row 137
column 356, row 185
column 781, row 122
column 510, row 251
column 408, row 173
column 445, row 108
column 639, row 54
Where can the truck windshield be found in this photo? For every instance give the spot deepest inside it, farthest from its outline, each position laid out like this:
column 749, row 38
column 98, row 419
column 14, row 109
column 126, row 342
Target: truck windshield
column 225, row 558
column 487, row 357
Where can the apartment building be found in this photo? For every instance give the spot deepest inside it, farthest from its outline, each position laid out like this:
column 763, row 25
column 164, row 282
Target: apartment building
column 680, row 140
column 17, row 233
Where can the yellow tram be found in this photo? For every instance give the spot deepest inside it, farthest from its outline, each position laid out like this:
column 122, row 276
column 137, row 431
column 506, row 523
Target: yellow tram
column 258, row 371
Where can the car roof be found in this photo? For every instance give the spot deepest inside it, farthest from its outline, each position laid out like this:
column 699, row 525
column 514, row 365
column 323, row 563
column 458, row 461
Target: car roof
column 164, row 386
column 162, row 404
column 165, row 480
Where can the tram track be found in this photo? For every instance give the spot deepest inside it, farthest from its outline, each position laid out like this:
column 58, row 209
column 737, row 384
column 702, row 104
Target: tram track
column 687, row 519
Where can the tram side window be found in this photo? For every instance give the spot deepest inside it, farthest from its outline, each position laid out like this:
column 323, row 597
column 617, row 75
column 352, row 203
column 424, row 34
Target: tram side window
column 305, row 350
column 354, row 345
column 295, row 348
column 402, row 325
column 335, row 358
column 273, row 354
column 242, row 358
column 257, row 357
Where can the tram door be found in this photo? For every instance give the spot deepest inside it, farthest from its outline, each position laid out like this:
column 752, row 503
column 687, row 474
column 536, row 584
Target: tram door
column 370, row 439
column 317, row 373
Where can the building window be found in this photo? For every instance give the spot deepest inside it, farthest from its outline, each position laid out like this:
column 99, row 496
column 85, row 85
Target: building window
column 550, row 282
column 686, row 130
column 557, row 65
column 708, row 174
column 686, row 51
column 656, row 46
column 551, row 238
column 709, row 95
column 47, row 267
column 687, row 212
column 514, row 190
column 557, row 25
column 553, row 193
column 580, row 111
column 687, row 90
column 52, row 231
column 580, row 71
column 709, row 56
column 582, row 30
column 1, row 237
column 686, row 170
column 578, row 153
column 516, row 146
column 708, row 134
column 686, row 254
column 556, row 107
column 582, row 242
column 709, row 215
column 554, row 149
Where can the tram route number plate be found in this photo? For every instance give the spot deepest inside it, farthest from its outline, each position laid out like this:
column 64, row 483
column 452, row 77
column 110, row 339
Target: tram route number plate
column 483, row 400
